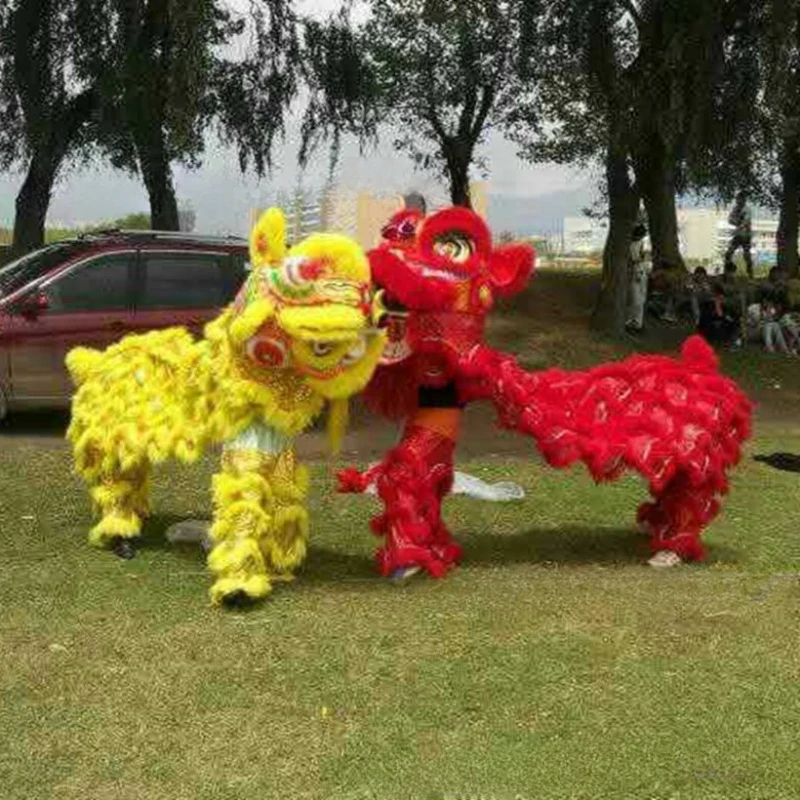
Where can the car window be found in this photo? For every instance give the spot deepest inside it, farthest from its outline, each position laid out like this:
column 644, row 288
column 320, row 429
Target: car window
column 30, row 267
column 187, row 280
column 101, row 284
column 240, row 265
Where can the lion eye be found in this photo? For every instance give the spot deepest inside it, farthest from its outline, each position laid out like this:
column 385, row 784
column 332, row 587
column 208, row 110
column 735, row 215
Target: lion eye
column 321, row 349
column 454, row 247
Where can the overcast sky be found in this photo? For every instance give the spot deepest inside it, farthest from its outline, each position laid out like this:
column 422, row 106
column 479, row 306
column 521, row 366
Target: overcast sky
column 222, row 197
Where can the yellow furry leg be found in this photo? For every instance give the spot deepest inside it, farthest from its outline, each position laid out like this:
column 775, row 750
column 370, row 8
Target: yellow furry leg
column 241, row 496
column 260, row 529
column 122, row 501
column 286, row 543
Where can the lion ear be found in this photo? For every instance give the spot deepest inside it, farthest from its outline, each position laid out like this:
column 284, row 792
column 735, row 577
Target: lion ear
column 510, row 268
column 268, row 239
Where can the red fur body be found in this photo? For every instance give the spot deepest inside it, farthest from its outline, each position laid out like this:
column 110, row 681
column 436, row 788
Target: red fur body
column 678, row 422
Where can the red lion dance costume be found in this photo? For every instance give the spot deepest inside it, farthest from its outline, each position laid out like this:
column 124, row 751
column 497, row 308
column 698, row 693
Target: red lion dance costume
column 679, row 423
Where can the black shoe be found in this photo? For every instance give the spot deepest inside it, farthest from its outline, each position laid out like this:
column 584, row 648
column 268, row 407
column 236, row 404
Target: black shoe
column 788, row 462
column 123, row 547
column 238, row 600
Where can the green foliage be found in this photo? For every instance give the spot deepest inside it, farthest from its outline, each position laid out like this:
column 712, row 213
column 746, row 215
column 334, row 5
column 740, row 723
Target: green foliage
column 48, row 52
column 133, row 221
column 439, row 72
column 182, row 67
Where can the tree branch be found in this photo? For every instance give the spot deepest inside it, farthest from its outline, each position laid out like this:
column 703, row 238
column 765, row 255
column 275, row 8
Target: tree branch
column 487, row 101
column 465, row 119
column 630, row 7
column 436, row 124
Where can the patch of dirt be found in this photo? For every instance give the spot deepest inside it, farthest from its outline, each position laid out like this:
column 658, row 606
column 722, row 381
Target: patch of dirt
column 545, row 326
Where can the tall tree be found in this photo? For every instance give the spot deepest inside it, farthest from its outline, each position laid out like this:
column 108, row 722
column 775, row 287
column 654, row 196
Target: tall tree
column 48, row 98
column 751, row 139
column 438, row 73
column 585, row 94
column 171, row 80
column 675, row 74
column 780, row 119
column 143, row 81
column 625, row 84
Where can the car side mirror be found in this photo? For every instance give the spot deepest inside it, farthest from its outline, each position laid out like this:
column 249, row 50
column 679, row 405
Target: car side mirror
column 33, row 304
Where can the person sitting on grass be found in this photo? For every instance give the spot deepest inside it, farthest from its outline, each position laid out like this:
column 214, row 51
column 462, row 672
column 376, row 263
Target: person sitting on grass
column 663, row 282
column 764, row 325
column 720, row 321
column 774, row 293
column 699, row 290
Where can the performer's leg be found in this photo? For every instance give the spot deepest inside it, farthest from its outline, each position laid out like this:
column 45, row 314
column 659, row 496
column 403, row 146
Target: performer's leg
column 241, row 498
column 678, row 516
column 122, row 501
column 415, row 478
column 748, row 257
column 732, row 247
column 284, row 545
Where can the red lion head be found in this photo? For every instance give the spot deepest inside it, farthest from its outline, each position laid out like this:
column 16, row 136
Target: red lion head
column 446, row 262
column 439, row 275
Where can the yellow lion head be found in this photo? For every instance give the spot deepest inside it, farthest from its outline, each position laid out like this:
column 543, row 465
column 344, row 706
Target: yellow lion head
column 309, row 309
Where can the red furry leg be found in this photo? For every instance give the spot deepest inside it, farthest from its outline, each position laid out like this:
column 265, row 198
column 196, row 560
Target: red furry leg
column 414, row 479
column 678, row 517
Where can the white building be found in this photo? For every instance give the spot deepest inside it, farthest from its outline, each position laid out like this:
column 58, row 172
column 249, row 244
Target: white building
column 703, row 235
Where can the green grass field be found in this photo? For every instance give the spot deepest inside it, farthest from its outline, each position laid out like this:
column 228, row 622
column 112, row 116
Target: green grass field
column 554, row 664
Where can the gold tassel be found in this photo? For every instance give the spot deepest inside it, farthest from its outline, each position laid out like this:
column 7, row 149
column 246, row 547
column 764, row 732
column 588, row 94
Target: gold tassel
column 338, row 419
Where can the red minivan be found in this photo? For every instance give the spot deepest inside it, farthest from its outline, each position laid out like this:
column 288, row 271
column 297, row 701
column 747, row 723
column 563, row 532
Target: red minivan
column 94, row 290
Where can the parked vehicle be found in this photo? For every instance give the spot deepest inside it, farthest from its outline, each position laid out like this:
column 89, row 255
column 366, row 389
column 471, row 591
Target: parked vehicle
column 97, row 288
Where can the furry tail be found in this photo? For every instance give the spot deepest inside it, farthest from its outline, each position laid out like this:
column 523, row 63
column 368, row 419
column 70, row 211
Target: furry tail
column 697, row 352
column 81, row 362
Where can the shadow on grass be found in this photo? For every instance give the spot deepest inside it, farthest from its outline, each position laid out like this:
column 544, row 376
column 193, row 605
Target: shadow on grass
column 568, row 545
column 46, row 424
column 571, row 545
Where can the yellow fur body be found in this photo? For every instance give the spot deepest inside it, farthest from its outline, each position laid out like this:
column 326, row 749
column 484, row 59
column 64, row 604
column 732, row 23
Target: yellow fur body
column 163, row 395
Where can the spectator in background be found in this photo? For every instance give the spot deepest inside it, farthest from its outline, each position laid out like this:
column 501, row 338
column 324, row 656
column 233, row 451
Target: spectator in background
column 742, row 221
column 773, row 293
column 720, row 319
column 737, row 292
column 699, row 289
column 764, row 324
column 665, row 285
column 775, row 287
column 638, row 277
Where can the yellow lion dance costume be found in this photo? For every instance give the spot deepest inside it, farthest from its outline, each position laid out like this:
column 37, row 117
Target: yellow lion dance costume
column 301, row 332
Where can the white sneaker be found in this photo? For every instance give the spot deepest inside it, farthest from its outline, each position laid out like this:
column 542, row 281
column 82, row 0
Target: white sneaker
column 665, row 558
column 402, row 574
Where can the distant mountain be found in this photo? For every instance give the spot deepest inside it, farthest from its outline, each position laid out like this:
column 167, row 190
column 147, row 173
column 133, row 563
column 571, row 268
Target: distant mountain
column 542, row 214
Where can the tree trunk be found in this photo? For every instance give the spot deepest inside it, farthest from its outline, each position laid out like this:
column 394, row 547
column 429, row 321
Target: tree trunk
column 623, row 205
column 790, row 209
column 32, row 203
column 655, row 176
column 33, row 200
column 163, row 204
column 157, row 175
column 459, row 185
column 458, row 157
